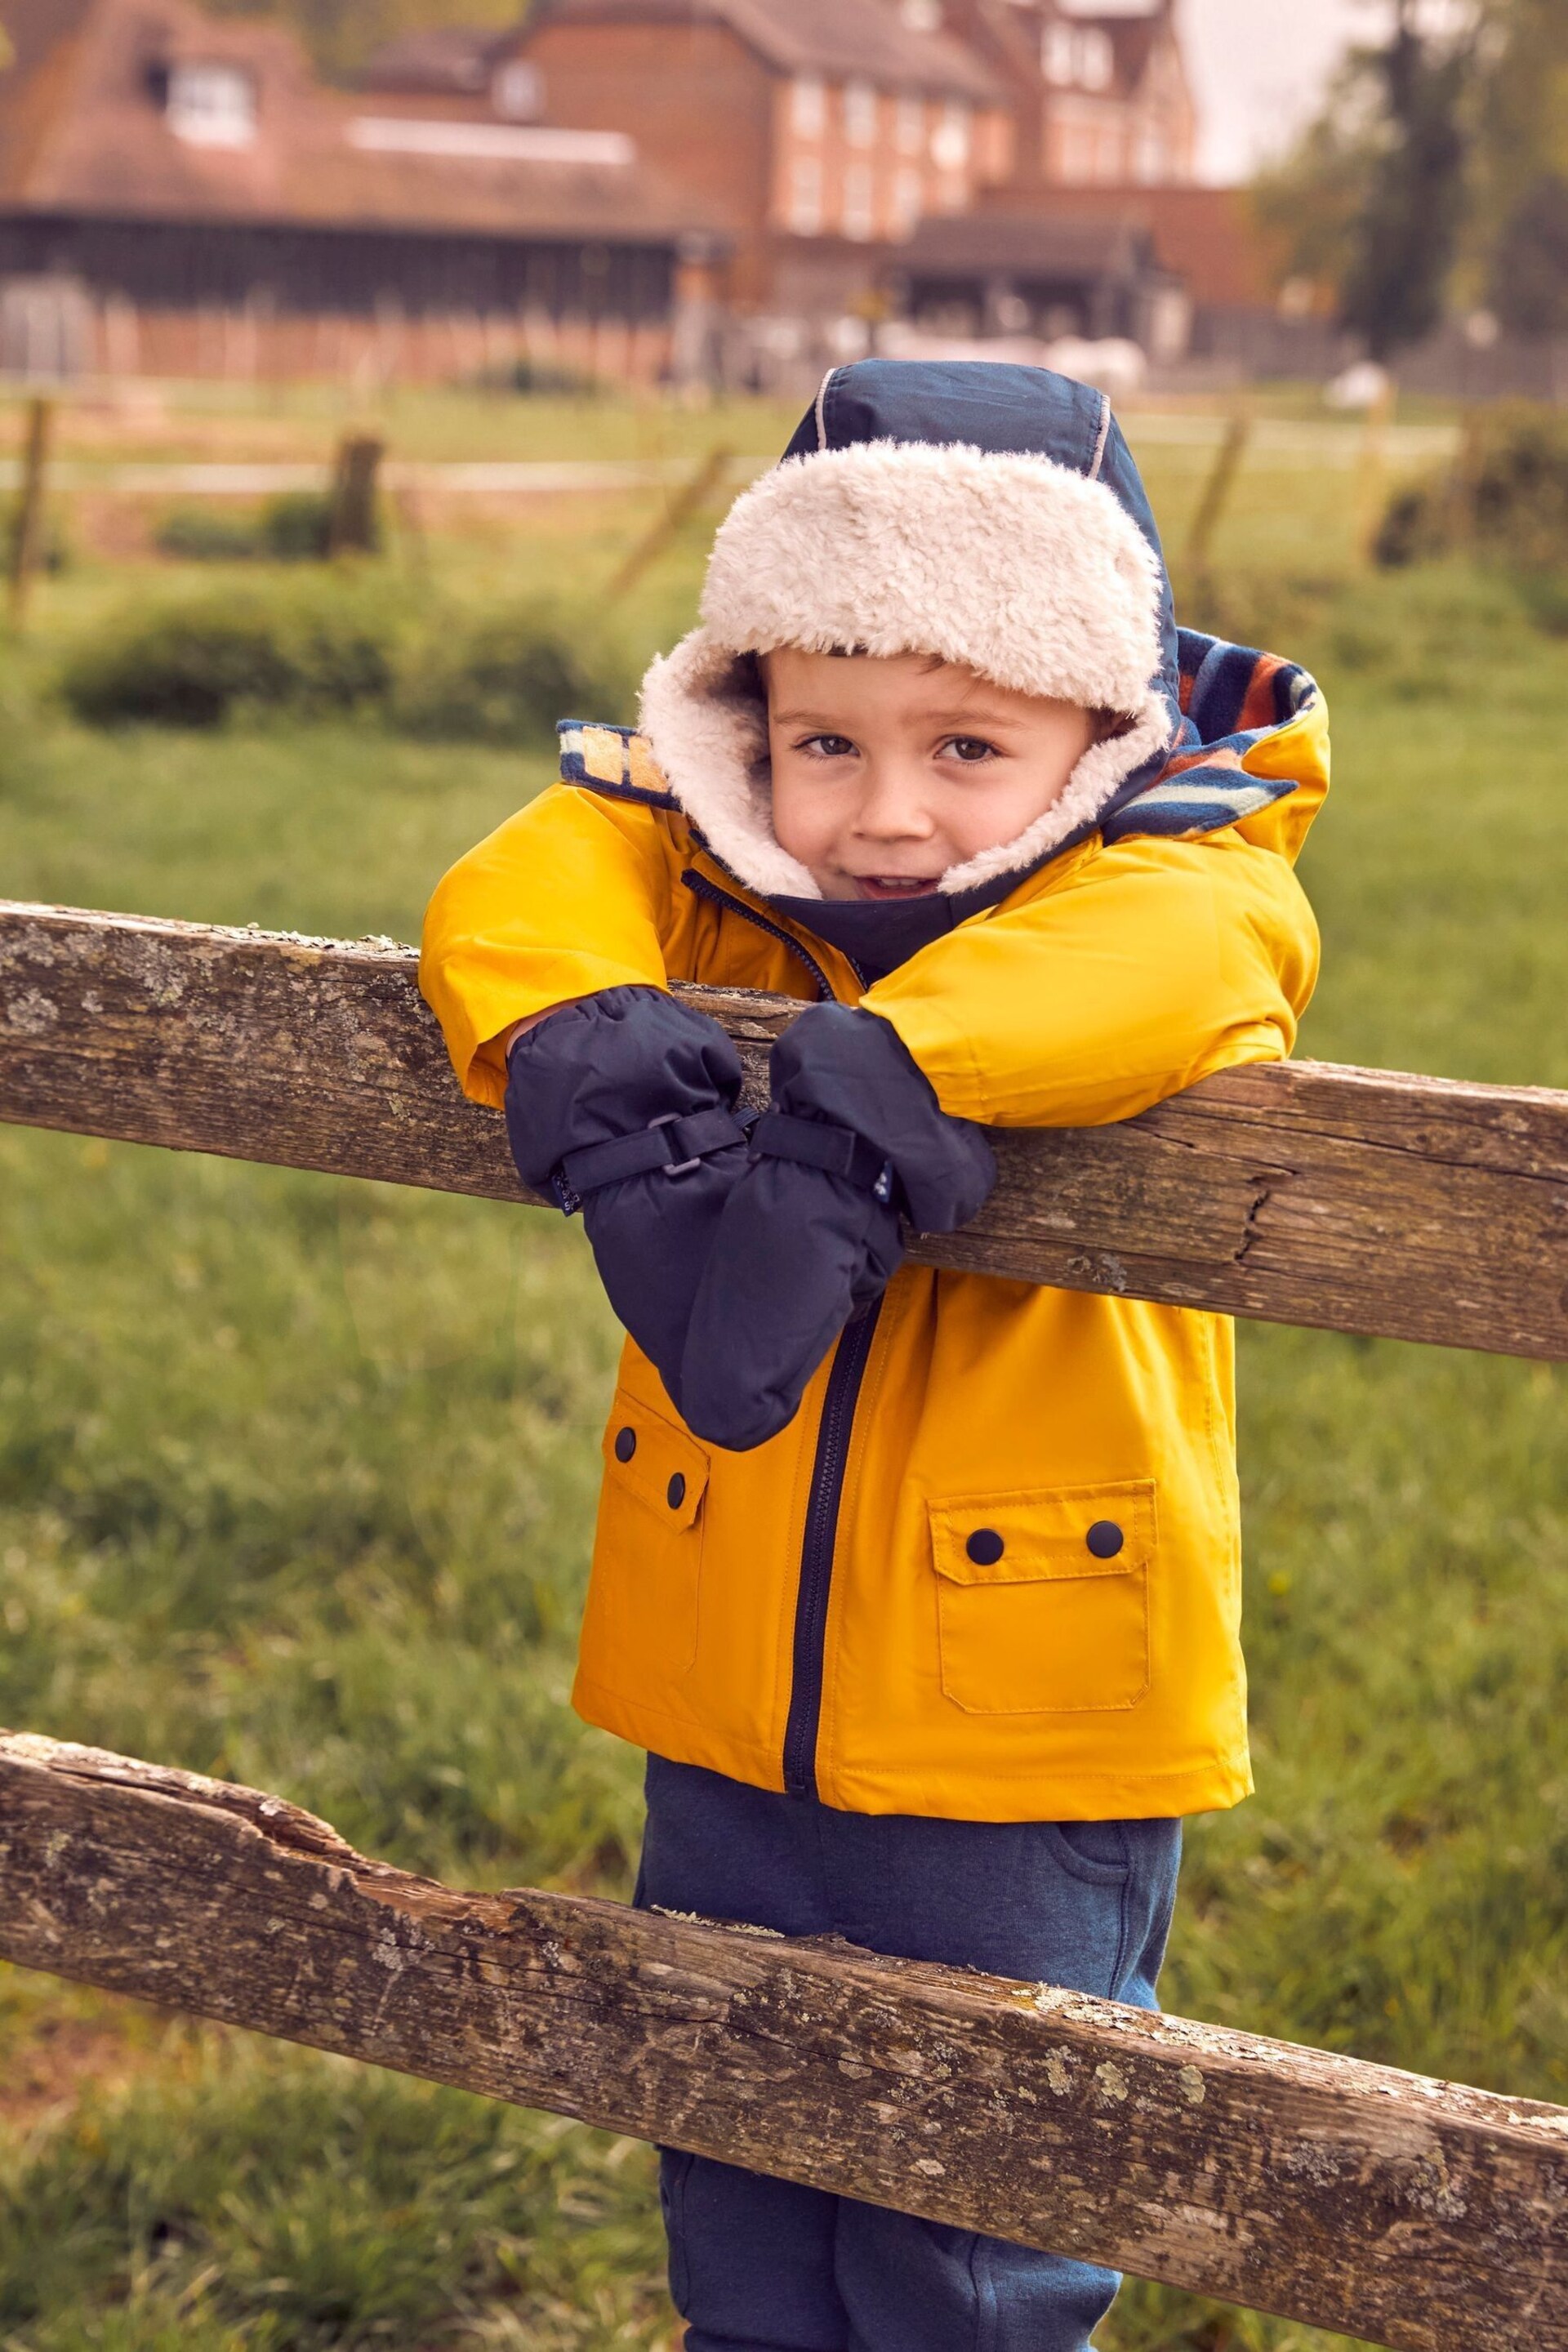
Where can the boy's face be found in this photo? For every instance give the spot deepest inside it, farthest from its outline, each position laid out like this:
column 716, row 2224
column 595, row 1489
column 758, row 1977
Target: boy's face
column 889, row 770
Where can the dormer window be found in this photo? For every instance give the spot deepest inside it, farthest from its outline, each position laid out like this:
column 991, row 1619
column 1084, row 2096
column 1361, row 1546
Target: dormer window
column 1078, row 57
column 1097, row 59
column 1059, row 43
column 211, row 105
column 517, row 91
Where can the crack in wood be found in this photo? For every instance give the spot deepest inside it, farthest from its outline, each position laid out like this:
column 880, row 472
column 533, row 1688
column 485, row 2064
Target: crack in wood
column 1252, row 1231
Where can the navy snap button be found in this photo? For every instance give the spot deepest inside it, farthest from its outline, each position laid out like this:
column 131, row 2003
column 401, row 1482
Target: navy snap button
column 985, row 1546
column 1105, row 1539
column 675, row 1493
column 625, row 1444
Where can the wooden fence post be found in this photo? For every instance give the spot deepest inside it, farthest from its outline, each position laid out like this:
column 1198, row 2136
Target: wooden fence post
column 697, row 487
column 27, row 527
column 353, row 527
column 1372, row 469
column 1215, row 496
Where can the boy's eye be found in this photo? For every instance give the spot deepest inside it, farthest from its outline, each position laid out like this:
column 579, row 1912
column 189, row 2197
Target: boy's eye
column 826, row 747
column 970, row 748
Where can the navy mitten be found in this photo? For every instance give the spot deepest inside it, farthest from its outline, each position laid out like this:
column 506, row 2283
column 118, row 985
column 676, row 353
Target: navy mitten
column 624, row 1106
column 852, row 1142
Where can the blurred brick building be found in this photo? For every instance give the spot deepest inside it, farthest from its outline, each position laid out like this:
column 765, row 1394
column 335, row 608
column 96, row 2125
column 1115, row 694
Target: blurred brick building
column 1098, row 99
column 179, row 195
column 813, row 130
column 696, row 189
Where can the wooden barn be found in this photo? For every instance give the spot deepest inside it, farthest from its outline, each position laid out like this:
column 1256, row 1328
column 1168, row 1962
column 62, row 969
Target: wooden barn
column 180, row 195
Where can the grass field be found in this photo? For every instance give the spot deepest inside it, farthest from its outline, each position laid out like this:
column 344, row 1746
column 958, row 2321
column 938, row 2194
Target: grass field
column 296, row 1481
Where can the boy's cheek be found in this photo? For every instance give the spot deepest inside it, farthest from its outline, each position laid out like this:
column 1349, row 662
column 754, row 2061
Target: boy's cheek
column 795, row 828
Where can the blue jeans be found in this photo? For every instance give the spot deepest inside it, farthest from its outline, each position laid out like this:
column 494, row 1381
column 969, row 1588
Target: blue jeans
column 761, row 2266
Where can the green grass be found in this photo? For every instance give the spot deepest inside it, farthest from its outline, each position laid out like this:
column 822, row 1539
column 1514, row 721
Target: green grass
column 295, row 1483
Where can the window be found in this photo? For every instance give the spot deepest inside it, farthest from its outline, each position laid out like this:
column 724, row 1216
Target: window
column 907, row 195
column 859, row 201
column 1058, row 54
column 805, row 196
column 859, row 113
column 211, row 105
column 1095, row 59
column 910, row 124
column 949, row 140
column 517, row 91
column 808, row 106
column 1150, row 161
column 1073, row 56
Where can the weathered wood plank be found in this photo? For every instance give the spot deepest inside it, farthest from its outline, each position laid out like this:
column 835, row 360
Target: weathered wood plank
column 1360, row 1199
column 1409, row 2212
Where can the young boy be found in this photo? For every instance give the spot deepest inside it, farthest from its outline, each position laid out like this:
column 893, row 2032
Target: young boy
column 921, row 1588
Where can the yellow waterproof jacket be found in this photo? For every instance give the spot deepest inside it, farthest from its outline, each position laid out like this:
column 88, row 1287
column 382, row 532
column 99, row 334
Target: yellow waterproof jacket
column 815, row 1614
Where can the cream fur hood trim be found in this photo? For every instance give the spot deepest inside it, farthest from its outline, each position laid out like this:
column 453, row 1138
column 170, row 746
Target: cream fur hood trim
column 1010, row 565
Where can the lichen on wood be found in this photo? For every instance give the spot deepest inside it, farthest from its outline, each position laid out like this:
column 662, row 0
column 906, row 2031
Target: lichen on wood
column 1401, row 2211
column 1361, row 1201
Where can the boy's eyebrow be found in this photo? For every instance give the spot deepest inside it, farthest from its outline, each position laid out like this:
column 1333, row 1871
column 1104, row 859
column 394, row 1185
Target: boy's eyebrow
column 958, row 717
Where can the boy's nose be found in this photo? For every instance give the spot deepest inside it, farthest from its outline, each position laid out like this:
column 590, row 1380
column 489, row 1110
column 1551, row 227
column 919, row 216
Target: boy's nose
column 892, row 808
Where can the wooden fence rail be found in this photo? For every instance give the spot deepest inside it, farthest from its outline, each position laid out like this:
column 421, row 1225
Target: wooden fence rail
column 1360, row 1199
column 1404, row 2212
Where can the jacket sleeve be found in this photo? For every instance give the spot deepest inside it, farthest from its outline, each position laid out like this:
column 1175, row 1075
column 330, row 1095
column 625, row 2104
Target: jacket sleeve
column 1150, row 965
column 569, row 897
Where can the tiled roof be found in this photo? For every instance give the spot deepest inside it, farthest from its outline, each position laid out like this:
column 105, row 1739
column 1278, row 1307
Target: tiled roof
column 82, row 133
column 1133, row 40
column 1010, row 35
column 843, row 39
column 1207, row 236
column 457, row 60
column 1028, row 243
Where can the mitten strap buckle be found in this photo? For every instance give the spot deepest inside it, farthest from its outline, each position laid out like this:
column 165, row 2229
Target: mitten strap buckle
column 672, row 1144
column 838, row 1150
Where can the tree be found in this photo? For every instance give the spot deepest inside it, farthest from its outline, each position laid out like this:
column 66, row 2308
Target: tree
column 1520, row 234
column 1439, row 168
column 1307, row 205
column 1405, row 238
column 1530, row 268
column 342, row 34
column 1372, row 202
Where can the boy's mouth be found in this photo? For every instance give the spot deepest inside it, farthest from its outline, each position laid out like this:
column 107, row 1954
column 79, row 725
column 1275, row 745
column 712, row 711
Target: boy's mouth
column 895, row 886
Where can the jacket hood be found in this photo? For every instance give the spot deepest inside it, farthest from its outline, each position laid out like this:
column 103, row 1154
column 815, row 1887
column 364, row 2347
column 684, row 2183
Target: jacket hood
column 990, row 515
column 1251, row 752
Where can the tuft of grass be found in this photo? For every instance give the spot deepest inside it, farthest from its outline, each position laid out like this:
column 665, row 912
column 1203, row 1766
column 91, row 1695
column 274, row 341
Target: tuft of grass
column 279, row 2202
column 189, row 661
column 321, row 646
column 509, row 677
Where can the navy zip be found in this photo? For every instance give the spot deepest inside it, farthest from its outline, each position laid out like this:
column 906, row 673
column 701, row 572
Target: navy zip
column 844, row 1384
column 701, row 888
column 833, row 1436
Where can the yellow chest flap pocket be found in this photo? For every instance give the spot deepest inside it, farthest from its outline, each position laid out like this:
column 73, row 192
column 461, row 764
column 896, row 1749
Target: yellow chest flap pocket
column 641, row 1619
column 1043, row 1597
